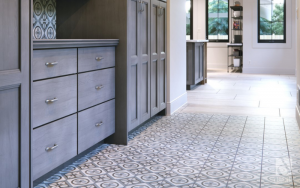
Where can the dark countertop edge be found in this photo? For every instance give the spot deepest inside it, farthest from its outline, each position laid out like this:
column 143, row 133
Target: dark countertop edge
column 73, row 43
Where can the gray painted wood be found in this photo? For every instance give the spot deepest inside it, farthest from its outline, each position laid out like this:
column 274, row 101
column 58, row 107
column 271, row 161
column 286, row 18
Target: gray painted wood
column 9, row 137
column 158, row 56
column 163, row 57
column 88, row 133
column 88, row 94
column 73, row 43
column 66, row 60
column 154, row 57
column 64, row 89
column 62, row 133
column 195, row 63
column 14, row 93
column 79, row 21
column 87, row 58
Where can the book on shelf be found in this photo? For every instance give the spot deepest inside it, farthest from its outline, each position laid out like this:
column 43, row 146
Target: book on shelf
column 236, row 25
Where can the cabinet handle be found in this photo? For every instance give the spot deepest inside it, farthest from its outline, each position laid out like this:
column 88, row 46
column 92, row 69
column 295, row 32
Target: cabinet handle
column 99, row 58
column 99, row 124
column 51, row 101
column 51, row 148
column 51, row 64
column 99, row 87
column 141, row 6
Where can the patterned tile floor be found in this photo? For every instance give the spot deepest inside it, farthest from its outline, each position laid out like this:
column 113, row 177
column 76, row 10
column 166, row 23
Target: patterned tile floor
column 194, row 150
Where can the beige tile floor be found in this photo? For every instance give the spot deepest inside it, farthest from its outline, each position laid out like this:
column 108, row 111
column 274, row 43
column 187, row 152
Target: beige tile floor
column 244, row 94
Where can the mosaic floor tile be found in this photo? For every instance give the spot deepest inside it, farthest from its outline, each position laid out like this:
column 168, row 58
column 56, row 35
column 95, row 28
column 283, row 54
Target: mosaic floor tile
column 193, row 150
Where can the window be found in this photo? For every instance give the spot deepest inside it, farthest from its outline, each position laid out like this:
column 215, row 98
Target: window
column 271, row 21
column 217, row 20
column 189, row 19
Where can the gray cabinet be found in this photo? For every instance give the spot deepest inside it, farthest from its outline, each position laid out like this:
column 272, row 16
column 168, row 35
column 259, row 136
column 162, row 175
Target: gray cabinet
column 140, row 56
column 195, row 63
column 139, row 71
column 14, row 93
column 86, row 95
column 158, row 56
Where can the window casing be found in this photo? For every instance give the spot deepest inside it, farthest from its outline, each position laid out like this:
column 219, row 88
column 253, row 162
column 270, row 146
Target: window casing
column 271, row 21
column 189, row 19
column 217, row 20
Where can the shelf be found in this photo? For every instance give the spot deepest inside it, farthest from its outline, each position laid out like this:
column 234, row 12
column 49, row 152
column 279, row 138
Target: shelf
column 235, row 55
column 234, row 44
column 237, row 18
column 234, row 66
column 237, row 8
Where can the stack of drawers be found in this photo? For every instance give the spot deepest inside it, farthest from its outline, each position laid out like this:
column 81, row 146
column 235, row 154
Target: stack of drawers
column 73, row 106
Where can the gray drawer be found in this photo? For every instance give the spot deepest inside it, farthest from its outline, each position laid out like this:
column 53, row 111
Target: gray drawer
column 95, row 58
column 89, row 133
column 64, row 89
column 63, row 134
column 64, row 62
column 95, row 87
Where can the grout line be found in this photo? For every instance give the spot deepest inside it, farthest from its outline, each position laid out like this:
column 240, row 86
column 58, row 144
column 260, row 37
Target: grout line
column 262, row 155
column 218, row 91
column 250, row 88
column 235, row 96
column 279, row 113
column 212, row 150
column 287, row 145
column 291, row 94
column 259, row 104
column 236, row 152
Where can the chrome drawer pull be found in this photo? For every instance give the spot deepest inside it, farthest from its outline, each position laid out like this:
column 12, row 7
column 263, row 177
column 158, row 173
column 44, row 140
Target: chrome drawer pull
column 51, row 148
column 51, row 64
column 99, row 124
column 99, row 87
column 99, row 58
column 51, row 101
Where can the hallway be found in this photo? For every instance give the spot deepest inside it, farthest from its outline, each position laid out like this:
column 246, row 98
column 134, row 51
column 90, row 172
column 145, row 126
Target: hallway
column 245, row 94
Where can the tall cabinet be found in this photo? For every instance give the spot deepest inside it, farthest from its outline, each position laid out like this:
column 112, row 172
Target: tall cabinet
column 141, row 55
column 158, row 56
column 14, row 93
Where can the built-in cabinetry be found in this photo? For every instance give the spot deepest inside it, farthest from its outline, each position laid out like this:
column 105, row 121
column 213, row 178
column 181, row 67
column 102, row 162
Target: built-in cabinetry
column 14, row 93
column 141, row 56
column 73, row 99
column 196, row 62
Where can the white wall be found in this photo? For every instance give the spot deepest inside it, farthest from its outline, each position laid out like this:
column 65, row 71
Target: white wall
column 269, row 58
column 298, row 62
column 263, row 58
column 176, row 82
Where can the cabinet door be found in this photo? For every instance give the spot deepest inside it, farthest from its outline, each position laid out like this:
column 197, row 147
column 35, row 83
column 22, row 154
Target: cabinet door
column 198, row 62
column 155, row 104
column 162, row 32
column 14, row 93
column 144, row 60
column 133, row 65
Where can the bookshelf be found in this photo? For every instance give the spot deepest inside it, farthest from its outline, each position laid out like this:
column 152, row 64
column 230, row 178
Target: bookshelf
column 235, row 47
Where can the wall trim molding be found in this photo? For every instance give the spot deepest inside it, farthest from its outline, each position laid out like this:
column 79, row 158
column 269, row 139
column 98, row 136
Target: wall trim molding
column 259, row 70
column 176, row 104
column 297, row 115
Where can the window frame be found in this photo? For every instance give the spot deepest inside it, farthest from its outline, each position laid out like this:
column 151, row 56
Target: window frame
column 228, row 30
column 258, row 26
column 191, row 21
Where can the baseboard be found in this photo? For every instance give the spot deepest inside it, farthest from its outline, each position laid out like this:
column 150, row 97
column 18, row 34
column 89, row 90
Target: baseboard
column 298, row 116
column 176, row 104
column 258, row 70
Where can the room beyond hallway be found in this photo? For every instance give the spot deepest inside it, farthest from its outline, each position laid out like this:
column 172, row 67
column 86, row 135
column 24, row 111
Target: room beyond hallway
column 245, row 94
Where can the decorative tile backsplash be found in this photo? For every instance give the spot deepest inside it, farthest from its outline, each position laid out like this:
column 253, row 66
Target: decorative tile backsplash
column 44, row 19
